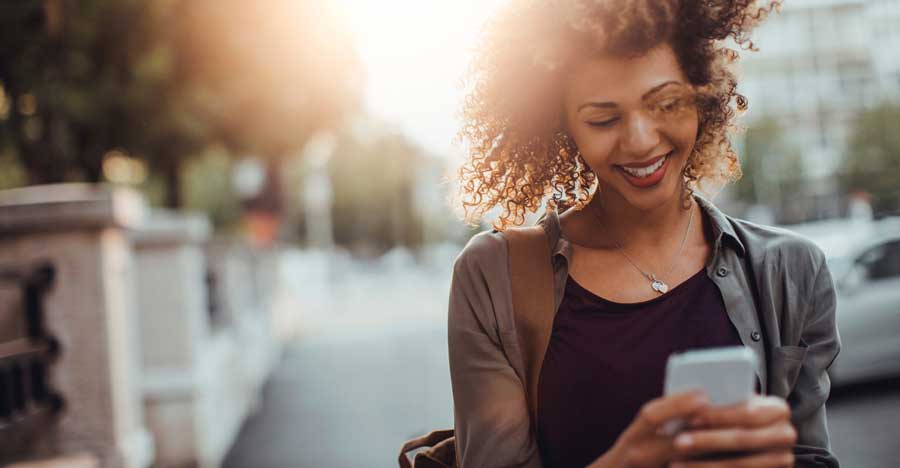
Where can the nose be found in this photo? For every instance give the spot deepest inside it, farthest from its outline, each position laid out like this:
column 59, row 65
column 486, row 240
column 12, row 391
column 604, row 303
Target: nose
column 641, row 135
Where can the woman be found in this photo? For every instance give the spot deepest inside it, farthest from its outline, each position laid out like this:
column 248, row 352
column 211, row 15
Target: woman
column 618, row 110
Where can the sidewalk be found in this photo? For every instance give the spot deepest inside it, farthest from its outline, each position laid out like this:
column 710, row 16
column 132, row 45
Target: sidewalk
column 372, row 373
column 358, row 381
column 347, row 406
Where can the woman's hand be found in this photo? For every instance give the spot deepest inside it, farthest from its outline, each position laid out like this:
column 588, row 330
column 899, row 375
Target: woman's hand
column 757, row 433
column 642, row 445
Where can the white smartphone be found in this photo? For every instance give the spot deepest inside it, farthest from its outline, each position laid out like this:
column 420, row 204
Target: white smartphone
column 726, row 375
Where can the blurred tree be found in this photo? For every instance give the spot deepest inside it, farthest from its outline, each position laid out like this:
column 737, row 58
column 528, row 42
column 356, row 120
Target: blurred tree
column 164, row 79
column 374, row 193
column 763, row 140
column 872, row 157
column 84, row 78
column 11, row 172
column 773, row 169
column 275, row 75
column 207, row 186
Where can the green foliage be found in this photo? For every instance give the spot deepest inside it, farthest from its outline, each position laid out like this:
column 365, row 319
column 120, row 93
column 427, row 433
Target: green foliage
column 163, row 80
column 207, row 187
column 374, row 193
column 872, row 157
column 274, row 72
column 11, row 173
column 768, row 162
column 98, row 75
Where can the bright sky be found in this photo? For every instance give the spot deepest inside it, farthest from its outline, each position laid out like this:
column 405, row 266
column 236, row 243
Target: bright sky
column 415, row 53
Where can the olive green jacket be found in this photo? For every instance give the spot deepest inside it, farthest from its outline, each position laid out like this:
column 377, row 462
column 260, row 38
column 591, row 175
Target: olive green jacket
column 777, row 291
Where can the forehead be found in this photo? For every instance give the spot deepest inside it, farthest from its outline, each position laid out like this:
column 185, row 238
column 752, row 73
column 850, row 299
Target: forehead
column 618, row 79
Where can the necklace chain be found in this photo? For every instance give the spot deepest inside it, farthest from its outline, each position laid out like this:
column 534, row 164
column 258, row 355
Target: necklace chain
column 653, row 278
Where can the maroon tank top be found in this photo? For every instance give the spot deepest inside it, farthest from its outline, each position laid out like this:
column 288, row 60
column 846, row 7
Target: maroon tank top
column 606, row 359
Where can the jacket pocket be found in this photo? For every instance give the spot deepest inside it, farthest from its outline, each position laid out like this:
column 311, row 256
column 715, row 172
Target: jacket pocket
column 786, row 364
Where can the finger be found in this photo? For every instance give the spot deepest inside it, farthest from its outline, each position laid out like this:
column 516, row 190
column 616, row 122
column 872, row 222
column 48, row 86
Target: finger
column 757, row 412
column 776, row 436
column 654, row 451
column 661, row 410
column 782, row 459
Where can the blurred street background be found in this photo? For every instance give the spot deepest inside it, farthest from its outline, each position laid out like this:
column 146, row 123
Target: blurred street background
column 345, row 395
column 226, row 231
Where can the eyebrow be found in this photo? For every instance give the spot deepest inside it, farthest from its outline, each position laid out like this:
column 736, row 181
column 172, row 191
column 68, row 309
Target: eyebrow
column 607, row 105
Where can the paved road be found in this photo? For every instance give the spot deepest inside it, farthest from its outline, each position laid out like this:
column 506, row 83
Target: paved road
column 361, row 379
column 348, row 405
column 350, row 390
column 864, row 424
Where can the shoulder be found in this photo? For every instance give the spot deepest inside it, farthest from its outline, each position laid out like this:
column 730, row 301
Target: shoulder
column 779, row 256
column 778, row 246
column 483, row 252
column 479, row 292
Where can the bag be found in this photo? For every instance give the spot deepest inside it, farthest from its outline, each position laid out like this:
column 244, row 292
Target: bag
column 441, row 454
column 531, row 278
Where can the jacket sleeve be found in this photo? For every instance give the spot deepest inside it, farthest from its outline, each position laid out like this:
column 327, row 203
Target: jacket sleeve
column 807, row 401
column 490, row 410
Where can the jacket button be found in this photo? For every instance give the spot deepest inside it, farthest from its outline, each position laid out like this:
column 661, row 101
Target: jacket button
column 722, row 272
column 755, row 336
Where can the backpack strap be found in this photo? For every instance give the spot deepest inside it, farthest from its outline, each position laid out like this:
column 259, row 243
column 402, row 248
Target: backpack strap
column 534, row 308
column 534, row 304
column 432, row 440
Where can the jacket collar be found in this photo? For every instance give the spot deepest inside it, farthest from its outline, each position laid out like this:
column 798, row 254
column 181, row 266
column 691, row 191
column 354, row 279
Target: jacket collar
column 721, row 225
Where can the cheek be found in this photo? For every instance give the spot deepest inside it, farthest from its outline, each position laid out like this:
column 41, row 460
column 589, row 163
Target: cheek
column 686, row 130
column 596, row 147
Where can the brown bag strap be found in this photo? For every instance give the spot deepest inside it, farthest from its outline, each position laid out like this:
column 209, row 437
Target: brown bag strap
column 429, row 440
column 534, row 304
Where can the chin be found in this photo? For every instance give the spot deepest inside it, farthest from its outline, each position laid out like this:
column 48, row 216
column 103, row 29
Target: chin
column 651, row 202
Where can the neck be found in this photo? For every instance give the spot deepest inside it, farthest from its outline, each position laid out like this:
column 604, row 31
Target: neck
column 633, row 228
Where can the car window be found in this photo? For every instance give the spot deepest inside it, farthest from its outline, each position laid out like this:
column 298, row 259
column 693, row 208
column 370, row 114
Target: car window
column 883, row 261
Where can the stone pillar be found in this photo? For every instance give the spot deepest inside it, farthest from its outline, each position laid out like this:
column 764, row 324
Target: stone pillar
column 175, row 332
column 197, row 388
column 80, row 230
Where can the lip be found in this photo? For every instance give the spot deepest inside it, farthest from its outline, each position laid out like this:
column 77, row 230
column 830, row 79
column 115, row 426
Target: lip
column 645, row 163
column 647, row 182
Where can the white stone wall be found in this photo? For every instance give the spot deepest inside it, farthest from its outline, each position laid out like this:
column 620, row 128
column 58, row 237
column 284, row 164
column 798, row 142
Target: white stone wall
column 139, row 348
column 80, row 230
column 201, row 377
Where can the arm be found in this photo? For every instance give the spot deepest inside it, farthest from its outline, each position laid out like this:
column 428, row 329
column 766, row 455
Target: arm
column 807, row 400
column 492, row 423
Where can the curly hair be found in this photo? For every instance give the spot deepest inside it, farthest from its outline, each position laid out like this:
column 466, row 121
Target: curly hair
column 518, row 152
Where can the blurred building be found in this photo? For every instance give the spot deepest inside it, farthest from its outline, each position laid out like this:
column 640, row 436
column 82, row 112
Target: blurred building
column 820, row 62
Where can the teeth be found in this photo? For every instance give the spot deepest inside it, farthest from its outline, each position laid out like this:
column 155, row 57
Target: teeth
column 646, row 171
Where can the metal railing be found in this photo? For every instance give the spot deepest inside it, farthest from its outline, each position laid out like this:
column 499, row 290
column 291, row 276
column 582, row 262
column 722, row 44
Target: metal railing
column 28, row 404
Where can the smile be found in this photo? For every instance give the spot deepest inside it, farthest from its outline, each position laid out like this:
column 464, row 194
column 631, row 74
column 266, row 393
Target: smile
column 647, row 171
column 649, row 175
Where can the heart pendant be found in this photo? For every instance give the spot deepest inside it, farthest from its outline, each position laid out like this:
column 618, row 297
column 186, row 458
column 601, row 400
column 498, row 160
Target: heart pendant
column 659, row 286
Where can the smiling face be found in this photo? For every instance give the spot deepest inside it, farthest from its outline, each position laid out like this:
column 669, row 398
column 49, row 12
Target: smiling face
column 635, row 124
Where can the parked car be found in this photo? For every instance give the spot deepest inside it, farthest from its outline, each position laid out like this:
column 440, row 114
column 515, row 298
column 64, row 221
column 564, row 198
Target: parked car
column 864, row 259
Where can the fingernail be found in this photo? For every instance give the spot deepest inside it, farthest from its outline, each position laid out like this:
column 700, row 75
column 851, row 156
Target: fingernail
column 684, row 440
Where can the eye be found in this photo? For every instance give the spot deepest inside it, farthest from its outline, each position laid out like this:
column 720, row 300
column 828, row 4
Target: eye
column 670, row 105
column 604, row 123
